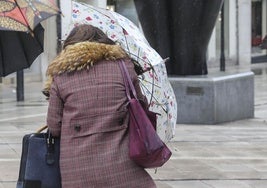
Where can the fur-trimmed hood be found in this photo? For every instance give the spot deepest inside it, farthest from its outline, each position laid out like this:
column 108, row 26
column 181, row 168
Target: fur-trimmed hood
column 81, row 56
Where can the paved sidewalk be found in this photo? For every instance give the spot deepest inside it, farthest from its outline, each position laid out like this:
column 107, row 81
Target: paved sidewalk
column 229, row 155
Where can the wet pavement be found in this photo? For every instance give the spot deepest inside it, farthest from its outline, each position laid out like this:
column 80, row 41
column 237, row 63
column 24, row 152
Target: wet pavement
column 227, row 155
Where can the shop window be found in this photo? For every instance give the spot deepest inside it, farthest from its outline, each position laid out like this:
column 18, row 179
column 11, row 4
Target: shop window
column 256, row 23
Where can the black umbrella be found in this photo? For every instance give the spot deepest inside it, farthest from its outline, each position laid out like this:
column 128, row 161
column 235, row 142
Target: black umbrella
column 18, row 50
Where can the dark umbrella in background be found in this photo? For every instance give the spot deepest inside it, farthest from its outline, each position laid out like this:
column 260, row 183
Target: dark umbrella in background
column 18, row 50
column 21, row 35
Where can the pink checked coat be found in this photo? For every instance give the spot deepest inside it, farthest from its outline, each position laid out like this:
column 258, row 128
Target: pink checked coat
column 88, row 110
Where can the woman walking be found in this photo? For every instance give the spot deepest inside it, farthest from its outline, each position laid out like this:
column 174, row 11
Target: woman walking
column 88, row 110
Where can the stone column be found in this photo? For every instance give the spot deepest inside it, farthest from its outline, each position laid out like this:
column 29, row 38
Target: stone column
column 50, row 44
column 232, row 30
column 264, row 21
column 244, row 32
column 98, row 3
column 211, row 51
column 66, row 20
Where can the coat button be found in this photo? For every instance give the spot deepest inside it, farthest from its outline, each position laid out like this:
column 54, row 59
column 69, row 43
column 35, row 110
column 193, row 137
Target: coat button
column 77, row 128
column 121, row 121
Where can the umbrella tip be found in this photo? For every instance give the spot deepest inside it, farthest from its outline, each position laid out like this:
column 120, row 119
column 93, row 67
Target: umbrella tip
column 31, row 33
column 62, row 14
column 166, row 59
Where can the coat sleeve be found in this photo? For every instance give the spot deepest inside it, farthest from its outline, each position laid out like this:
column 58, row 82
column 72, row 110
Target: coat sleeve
column 55, row 111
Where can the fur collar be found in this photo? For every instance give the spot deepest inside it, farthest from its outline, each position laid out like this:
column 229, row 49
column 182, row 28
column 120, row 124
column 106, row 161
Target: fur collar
column 81, row 56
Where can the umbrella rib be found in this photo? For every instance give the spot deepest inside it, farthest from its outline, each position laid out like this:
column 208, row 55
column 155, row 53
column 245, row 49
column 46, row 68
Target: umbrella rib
column 99, row 12
column 140, row 59
column 52, row 7
column 30, row 29
column 2, row 59
column 126, row 43
column 151, row 83
column 28, row 64
column 157, row 102
column 138, row 55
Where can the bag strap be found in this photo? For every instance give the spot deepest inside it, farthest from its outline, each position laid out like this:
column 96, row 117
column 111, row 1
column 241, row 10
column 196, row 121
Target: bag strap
column 127, row 81
column 42, row 129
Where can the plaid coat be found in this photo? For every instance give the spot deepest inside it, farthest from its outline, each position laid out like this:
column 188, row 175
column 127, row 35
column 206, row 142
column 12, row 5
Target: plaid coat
column 88, row 109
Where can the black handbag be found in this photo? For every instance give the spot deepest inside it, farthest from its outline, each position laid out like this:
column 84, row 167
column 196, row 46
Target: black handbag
column 39, row 165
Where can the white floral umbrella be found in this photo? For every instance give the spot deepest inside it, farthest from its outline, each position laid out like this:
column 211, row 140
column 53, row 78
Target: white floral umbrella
column 154, row 82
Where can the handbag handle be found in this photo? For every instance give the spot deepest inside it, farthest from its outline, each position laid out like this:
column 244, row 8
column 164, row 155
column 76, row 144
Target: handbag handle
column 42, row 128
column 50, row 143
column 127, row 81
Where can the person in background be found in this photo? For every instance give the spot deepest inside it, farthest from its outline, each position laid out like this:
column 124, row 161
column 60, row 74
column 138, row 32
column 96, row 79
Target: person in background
column 88, row 111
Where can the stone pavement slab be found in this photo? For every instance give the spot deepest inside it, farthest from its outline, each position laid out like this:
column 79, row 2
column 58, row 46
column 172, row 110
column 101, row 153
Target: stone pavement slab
column 228, row 155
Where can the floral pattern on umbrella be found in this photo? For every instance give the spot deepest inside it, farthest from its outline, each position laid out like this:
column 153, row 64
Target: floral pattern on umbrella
column 154, row 82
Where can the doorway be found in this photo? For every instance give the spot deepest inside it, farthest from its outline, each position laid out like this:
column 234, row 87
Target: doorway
column 258, row 31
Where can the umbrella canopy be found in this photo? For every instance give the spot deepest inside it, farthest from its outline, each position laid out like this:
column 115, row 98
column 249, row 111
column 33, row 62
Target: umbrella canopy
column 18, row 50
column 154, row 80
column 21, row 35
column 25, row 15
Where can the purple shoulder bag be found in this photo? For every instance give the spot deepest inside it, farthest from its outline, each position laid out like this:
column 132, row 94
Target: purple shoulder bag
column 146, row 148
